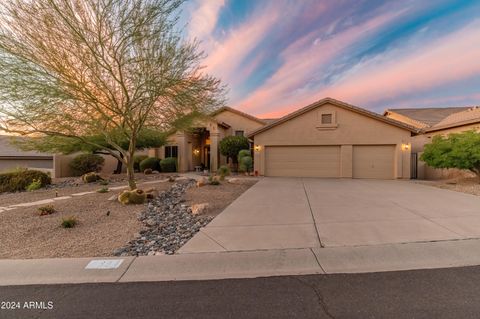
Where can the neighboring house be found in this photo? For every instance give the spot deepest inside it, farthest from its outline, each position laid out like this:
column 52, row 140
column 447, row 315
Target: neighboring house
column 431, row 122
column 11, row 157
column 330, row 138
column 198, row 148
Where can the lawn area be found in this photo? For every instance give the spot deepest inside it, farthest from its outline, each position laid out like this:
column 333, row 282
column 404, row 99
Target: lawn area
column 103, row 225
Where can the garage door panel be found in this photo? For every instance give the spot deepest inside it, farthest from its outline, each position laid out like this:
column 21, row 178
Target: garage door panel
column 373, row 161
column 303, row 161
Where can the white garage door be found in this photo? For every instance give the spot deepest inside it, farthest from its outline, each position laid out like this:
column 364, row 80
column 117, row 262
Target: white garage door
column 373, row 161
column 302, row 161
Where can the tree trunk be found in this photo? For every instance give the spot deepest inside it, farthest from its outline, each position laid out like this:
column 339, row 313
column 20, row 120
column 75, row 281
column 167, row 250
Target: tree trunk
column 118, row 170
column 131, row 174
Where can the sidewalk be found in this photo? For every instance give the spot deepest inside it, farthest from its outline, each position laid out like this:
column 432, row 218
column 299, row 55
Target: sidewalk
column 249, row 264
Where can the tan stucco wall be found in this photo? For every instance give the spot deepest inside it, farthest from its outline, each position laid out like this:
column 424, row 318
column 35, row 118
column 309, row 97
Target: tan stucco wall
column 353, row 129
column 9, row 164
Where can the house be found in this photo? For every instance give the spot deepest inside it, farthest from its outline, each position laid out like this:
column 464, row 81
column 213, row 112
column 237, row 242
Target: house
column 198, row 148
column 431, row 122
column 11, row 157
column 330, row 138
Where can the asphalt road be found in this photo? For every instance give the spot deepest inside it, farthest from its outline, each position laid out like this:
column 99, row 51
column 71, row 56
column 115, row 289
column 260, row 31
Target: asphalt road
column 440, row 293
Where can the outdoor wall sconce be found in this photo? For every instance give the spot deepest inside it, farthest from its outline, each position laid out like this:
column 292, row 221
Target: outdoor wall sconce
column 257, row 148
column 405, row 147
column 196, row 151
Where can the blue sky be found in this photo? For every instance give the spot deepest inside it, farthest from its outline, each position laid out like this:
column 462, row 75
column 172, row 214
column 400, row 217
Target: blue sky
column 279, row 55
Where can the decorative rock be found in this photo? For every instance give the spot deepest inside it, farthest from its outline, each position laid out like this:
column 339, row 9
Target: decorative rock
column 151, row 193
column 181, row 178
column 113, row 197
column 200, row 209
column 148, row 171
column 202, row 182
column 155, row 172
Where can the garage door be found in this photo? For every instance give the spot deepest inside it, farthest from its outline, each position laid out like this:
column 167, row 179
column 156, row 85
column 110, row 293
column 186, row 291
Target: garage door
column 373, row 161
column 302, row 161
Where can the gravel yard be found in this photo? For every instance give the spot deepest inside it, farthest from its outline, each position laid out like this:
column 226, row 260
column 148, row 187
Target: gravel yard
column 103, row 226
column 465, row 185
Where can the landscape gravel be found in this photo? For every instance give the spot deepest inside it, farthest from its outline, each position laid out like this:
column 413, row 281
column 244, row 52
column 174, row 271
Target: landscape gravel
column 168, row 223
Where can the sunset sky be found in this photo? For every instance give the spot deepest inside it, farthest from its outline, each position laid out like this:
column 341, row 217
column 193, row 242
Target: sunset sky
column 277, row 55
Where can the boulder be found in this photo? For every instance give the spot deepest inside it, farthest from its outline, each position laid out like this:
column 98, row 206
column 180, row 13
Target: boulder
column 148, row 171
column 200, row 209
column 151, row 193
column 202, row 182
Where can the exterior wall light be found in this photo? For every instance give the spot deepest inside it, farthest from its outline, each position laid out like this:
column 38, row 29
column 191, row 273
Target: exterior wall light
column 405, row 147
column 196, row 151
column 257, row 148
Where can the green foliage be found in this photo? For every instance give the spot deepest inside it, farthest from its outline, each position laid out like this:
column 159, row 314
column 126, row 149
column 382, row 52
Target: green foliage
column 137, row 196
column 69, row 222
column 91, row 177
column 35, row 185
column 246, row 164
column 243, row 153
column 151, row 162
column 19, row 180
column 103, row 190
column 104, row 182
column 86, row 163
column 230, row 146
column 457, row 150
column 46, row 210
column 169, row 164
column 137, row 159
column 223, row 171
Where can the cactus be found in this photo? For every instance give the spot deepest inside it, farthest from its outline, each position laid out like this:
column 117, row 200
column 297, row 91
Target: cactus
column 91, row 177
column 137, row 196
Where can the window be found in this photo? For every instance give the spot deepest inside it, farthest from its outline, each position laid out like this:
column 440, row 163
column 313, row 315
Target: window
column 171, row 151
column 326, row 118
column 239, row 133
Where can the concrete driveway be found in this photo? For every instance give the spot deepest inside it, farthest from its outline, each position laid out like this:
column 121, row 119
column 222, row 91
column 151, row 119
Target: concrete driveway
column 279, row 213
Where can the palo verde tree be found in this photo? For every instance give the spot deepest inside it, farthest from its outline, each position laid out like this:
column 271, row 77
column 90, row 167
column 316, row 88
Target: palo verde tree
column 457, row 150
column 83, row 69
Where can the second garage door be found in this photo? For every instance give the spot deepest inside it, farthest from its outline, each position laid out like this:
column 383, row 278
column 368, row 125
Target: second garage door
column 302, row 161
column 373, row 161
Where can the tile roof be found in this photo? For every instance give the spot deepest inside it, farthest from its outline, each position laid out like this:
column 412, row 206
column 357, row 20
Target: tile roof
column 469, row 116
column 429, row 116
column 9, row 150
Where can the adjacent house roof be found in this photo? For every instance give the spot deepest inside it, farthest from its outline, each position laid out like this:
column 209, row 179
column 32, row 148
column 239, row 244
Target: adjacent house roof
column 438, row 118
column 341, row 104
column 251, row 117
column 8, row 150
column 427, row 116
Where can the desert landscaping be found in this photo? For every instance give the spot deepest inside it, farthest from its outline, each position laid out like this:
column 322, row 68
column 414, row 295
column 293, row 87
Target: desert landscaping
column 105, row 227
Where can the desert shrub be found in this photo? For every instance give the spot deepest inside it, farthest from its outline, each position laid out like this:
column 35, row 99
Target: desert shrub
column 246, row 164
column 150, row 162
column 214, row 180
column 19, row 180
column 36, row 184
column 223, row 171
column 69, row 222
column 104, row 182
column 91, row 177
column 230, row 146
column 169, row 164
column 86, row 163
column 46, row 210
column 137, row 159
column 137, row 196
column 103, row 190
column 243, row 153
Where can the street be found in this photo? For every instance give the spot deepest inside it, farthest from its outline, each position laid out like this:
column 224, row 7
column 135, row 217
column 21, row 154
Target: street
column 439, row 293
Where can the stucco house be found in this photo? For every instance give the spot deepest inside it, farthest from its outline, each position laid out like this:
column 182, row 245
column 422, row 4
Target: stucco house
column 330, row 138
column 431, row 122
column 198, row 148
column 11, row 157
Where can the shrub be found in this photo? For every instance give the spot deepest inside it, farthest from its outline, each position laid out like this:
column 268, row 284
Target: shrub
column 103, row 190
column 150, row 162
column 104, row 182
column 36, row 184
column 137, row 196
column 223, row 171
column 69, row 222
column 243, row 153
column 19, row 180
column 86, row 163
column 169, row 164
column 246, row 164
column 230, row 146
column 137, row 159
column 214, row 180
column 91, row 177
column 46, row 210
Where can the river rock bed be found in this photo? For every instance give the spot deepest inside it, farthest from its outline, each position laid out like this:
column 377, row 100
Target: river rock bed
column 168, row 224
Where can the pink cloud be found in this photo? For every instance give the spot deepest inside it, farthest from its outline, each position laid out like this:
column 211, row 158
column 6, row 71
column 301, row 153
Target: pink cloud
column 302, row 61
column 204, row 17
